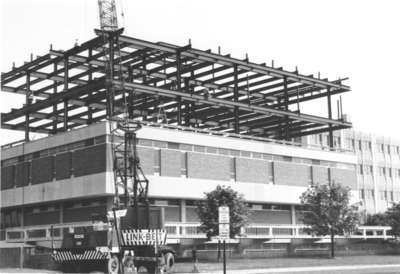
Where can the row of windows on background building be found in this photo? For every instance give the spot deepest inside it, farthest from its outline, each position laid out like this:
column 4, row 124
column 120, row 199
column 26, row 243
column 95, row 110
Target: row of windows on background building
column 363, row 145
column 382, row 171
column 369, row 194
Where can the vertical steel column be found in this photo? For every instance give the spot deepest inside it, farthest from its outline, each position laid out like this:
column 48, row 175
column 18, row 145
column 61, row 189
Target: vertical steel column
column 66, row 79
column 28, row 101
column 187, row 105
column 330, row 116
column 236, row 99
column 144, row 80
column 178, row 85
column 55, row 121
column 110, row 78
column 90, row 78
column 130, row 94
column 286, row 101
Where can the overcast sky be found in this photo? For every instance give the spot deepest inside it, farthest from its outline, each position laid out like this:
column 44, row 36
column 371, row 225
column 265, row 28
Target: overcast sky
column 355, row 39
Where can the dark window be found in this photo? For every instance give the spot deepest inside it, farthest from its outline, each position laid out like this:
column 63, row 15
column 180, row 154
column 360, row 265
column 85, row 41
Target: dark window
column 172, row 145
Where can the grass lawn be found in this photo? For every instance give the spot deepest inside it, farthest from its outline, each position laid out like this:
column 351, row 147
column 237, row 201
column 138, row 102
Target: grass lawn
column 204, row 266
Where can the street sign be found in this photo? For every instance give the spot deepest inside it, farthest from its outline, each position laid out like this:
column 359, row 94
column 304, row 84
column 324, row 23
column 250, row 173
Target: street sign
column 223, row 231
column 223, row 220
column 223, row 215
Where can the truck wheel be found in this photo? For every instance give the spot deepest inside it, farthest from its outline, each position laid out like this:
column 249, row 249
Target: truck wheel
column 113, row 265
column 169, row 261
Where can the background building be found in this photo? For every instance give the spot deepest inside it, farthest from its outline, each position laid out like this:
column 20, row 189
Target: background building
column 378, row 166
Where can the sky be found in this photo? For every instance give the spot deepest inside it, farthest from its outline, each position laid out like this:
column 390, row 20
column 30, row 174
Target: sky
column 355, row 39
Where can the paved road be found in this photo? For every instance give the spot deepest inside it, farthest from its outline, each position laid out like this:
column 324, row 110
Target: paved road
column 345, row 269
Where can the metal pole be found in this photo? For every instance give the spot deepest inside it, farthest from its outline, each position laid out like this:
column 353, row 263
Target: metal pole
column 224, row 247
column 219, row 250
column 28, row 102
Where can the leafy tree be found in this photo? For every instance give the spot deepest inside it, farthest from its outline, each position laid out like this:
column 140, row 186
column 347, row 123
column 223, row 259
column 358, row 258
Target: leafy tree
column 377, row 219
column 393, row 217
column 328, row 211
column 208, row 210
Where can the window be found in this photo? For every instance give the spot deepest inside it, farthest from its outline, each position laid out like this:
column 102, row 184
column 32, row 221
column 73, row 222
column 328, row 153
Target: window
column 361, row 169
column 362, row 194
column 388, row 149
column 359, row 145
column 390, row 172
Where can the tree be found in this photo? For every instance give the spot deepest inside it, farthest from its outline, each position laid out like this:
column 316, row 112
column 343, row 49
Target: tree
column 377, row 219
column 393, row 217
column 328, row 211
column 208, row 210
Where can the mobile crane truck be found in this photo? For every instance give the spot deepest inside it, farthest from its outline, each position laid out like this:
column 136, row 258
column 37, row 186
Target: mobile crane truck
column 131, row 235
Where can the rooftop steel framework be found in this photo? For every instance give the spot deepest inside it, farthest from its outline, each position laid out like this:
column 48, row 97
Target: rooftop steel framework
column 159, row 81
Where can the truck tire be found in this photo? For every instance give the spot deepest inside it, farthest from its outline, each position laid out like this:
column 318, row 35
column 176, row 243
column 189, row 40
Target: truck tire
column 113, row 265
column 169, row 259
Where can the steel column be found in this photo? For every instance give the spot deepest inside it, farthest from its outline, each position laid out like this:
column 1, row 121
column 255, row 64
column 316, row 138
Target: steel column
column 28, row 101
column 66, row 70
column 178, row 85
column 55, row 85
column 236, row 99
column 330, row 116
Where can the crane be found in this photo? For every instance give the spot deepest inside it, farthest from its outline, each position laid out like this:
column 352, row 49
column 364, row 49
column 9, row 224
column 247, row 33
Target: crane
column 127, row 238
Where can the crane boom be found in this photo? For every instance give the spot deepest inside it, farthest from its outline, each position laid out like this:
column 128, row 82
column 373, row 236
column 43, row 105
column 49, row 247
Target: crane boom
column 108, row 15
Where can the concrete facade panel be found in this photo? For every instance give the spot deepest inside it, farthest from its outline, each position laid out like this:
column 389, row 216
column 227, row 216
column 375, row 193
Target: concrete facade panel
column 250, row 170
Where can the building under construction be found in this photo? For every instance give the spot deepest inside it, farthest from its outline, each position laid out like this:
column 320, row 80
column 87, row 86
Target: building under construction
column 207, row 119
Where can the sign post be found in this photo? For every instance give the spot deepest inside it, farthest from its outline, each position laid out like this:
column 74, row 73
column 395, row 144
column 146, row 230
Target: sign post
column 223, row 230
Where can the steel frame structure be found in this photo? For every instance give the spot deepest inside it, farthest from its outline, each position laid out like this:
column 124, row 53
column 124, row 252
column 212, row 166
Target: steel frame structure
column 189, row 87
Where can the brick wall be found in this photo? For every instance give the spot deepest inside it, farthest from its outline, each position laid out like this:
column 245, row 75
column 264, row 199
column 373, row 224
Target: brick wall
column 250, row 170
column 208, row 166
column 42, row 170
column 82, row 214
column 191, row 215
column 7, row 177
column 291, row 174
column 22, row 174
column 170, row 163
column 319, row 175
column 344, row 177
column 41, row 218
column 270, row 217
column 63, row 165
column 172, row 213
column 89, row 160
column 146, row 156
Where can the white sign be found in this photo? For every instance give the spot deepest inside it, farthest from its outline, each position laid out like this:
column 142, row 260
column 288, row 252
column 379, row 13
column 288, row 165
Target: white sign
column 223, row 220
column 223, row 215
column 223, row 231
